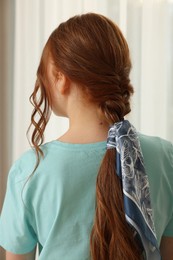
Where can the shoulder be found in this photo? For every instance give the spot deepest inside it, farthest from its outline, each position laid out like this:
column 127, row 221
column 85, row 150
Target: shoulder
column 157, row 141
column 158, row 159
column 157, row 145
column 25, row 164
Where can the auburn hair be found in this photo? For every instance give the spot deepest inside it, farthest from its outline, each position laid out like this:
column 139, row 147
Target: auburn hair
column 91, row 50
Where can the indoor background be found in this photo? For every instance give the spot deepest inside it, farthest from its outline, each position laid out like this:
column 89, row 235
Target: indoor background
column 24, row 28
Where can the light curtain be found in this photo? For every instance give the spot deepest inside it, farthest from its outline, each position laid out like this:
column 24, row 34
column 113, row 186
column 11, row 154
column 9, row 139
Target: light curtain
column 25, row 26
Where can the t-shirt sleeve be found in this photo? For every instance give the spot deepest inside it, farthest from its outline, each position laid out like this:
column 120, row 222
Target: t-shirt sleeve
column 17, row 234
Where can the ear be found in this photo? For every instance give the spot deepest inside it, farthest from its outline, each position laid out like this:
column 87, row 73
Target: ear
column 57, row 79
column 62, row 83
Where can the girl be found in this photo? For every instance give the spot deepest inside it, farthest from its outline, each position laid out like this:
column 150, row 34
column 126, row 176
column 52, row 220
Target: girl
column 101, row 191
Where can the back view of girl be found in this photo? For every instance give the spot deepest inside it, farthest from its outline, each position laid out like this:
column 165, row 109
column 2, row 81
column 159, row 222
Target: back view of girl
column 101, row 191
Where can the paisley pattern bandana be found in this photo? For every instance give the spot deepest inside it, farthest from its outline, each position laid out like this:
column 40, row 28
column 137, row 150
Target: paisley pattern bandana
column 130, row 168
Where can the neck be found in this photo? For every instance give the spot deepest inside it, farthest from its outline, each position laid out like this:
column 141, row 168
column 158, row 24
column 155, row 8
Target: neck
column 85, row 126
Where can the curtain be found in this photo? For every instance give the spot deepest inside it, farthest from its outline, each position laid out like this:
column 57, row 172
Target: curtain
column 24, row 28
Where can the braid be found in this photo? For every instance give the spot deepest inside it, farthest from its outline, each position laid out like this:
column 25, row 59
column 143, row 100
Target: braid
column 111, row 235
column 117, row 105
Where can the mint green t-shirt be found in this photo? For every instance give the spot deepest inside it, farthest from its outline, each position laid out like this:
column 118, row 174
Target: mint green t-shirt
column 55, row 207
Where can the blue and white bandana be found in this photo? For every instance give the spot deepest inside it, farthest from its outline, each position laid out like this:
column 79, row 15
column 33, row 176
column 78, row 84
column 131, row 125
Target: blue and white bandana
column 130, row 168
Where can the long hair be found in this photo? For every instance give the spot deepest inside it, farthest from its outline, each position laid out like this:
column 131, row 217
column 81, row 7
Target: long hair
column 91, row 50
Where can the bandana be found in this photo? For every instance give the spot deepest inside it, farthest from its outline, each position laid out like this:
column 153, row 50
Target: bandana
column 130, row 168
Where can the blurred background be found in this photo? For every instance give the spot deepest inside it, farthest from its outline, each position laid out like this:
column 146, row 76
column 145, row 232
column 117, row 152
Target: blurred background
column 25, row 26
